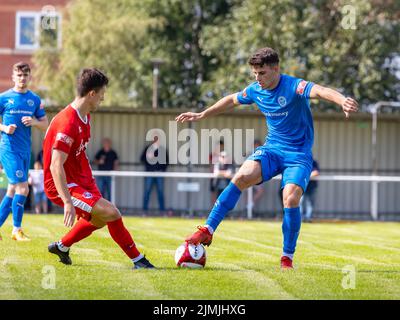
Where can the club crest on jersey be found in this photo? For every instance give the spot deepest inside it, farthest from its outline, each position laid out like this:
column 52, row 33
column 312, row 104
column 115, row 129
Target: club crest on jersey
column 87, row 195
column 30, row 102
column 301, row 86
column 282, row 101
column 258, row 153
column 19, row 174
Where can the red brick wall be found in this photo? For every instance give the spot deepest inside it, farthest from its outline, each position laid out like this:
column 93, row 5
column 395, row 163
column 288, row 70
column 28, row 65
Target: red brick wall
column 8, row 54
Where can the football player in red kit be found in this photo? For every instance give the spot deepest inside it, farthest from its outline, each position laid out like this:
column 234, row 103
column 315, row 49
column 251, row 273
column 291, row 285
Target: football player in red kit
column 68, row 177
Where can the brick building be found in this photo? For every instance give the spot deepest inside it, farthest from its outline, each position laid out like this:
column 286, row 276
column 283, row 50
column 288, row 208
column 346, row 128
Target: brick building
column 23, row 24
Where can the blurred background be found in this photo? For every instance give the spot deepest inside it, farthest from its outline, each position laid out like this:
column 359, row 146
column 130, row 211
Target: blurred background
column 166, row 57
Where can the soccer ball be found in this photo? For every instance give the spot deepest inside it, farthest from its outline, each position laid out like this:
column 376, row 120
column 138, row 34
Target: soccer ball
column 190, row 256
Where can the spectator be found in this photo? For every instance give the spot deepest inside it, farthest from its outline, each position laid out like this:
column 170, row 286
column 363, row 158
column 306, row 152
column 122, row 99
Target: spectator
column 258, row 188
column 213, row 158
column 308, row 198
column 224, row 170
column 155, row 158
column 36, row 180
column 39, row 157
column 107, row 160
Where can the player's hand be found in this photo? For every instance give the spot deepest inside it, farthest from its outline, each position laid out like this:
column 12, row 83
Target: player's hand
column 28, row 121
column 349, row 105
column 188, row 116
column 69, row 215
column 10, row 129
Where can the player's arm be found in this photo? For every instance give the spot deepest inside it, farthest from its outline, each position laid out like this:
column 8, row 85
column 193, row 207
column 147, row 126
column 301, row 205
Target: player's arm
column 10, row 129
column 41, row 123
column 223, row 105
column 348, row 104
column 60, row 181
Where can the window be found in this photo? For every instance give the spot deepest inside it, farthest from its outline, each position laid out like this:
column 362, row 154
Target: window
column 37, row 29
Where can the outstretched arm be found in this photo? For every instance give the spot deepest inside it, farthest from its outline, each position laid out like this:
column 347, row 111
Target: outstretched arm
column 348, row 104
column 225, row 104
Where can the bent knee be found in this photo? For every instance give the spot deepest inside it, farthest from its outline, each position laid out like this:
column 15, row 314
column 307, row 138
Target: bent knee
column 244, row 181
column 114, row 213
column 291, row 201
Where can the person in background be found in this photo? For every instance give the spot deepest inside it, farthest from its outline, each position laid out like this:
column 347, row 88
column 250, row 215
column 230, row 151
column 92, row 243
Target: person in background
column 107, row 160
column 213, row 158
column 308, row 198
column 36, row 180
column 224, row 170
column 155, row 158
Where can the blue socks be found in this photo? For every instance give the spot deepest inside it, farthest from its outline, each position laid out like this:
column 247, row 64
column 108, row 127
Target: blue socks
column 290, row 229
column 18, row 209
column 5, row 208
column 225, row 202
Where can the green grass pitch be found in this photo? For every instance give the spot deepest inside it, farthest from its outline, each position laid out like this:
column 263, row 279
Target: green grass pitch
column 358, row 260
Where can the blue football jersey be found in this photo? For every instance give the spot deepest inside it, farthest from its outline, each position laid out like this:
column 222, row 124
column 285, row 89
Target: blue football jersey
column 13, row 106
column 287, row 112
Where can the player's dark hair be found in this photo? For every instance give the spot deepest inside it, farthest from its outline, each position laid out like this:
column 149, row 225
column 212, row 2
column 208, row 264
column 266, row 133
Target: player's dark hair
column 90, row 79
column 264, row 56
column 22, row 66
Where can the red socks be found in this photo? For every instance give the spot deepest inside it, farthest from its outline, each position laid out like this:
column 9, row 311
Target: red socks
column 122, row 236
column 79, row 231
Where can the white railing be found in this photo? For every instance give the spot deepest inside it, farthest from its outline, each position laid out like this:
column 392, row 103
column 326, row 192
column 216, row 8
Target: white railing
column 374, row 180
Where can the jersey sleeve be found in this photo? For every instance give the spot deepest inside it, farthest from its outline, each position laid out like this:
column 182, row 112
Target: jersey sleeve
column 65, row 137
column 303, row 88
column 39, row 112
column 245, row 96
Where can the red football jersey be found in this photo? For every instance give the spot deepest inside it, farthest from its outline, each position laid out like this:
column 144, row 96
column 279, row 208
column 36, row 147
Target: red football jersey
column 69, row 133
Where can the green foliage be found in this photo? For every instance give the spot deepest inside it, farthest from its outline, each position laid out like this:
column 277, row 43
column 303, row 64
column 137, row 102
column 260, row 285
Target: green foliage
column 106, row 34
column 314, row 41
column 205, row 45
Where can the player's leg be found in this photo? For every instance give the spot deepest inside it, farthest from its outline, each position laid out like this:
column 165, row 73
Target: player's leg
column 248, row 175
column 291, row 222
column 108, row 213
column 84, row 202
column 9, row 165
column 21, row 194
column 261, row 166
column 294, row 181
column 6, row 204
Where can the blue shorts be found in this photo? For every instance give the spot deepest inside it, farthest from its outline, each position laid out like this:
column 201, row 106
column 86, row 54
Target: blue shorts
column 295, row 166
column 16, row 166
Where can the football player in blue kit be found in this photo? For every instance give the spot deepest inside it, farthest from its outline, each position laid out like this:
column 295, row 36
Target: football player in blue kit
column 284, row 100
column 20, row 110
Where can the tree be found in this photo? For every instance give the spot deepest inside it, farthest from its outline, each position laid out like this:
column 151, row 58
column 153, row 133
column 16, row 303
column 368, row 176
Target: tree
column 317, row 40
column 98, row 33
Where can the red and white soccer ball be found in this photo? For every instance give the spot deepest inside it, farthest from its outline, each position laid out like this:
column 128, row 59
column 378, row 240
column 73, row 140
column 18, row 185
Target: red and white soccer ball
column 190, row 256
